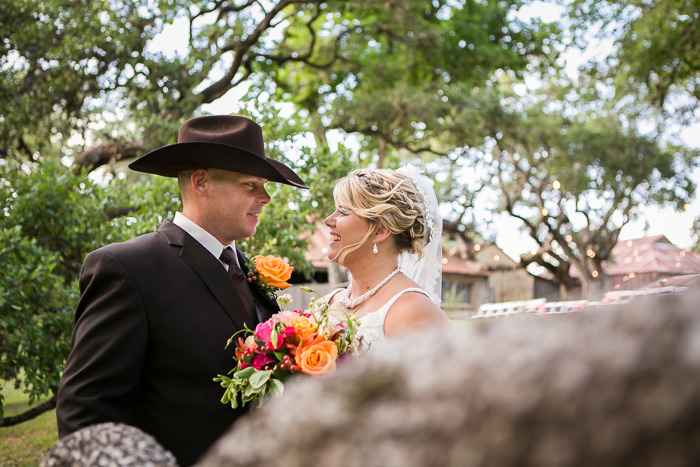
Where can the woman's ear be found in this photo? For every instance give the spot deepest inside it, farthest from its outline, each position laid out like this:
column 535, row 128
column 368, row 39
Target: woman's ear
column 381, row 233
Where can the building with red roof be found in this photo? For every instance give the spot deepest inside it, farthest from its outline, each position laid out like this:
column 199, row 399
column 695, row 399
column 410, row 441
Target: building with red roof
column 643, row 261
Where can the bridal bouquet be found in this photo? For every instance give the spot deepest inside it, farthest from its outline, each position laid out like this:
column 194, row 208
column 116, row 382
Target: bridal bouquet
column 312, row 342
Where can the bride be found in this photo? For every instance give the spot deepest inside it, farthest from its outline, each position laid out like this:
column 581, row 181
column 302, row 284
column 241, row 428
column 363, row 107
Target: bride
column 387, row 232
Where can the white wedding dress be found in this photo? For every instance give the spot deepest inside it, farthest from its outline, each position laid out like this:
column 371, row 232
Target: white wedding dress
column 372, row 324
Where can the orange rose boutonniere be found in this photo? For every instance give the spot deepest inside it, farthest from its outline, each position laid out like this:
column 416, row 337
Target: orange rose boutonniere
column 270, row 273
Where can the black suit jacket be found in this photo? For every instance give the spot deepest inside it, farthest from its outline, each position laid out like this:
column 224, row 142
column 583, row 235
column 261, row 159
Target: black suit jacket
column 150, row 328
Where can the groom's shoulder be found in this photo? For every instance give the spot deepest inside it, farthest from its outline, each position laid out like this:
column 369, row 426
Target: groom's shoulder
column 139, row 247
column 136, row 243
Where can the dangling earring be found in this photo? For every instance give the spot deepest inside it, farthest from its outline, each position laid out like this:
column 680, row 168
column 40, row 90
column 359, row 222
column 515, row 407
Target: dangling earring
column 375, row 250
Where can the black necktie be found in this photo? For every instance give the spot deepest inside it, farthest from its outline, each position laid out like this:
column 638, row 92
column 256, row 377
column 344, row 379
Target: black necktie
column 240, row 285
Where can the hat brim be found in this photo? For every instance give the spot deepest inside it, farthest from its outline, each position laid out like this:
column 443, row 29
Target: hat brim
column 169, row 160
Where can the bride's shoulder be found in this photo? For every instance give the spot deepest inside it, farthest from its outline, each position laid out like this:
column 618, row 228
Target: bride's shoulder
column 412, row 310
column 417, row 298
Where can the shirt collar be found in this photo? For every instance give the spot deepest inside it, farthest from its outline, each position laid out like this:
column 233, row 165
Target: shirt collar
column 206, row 239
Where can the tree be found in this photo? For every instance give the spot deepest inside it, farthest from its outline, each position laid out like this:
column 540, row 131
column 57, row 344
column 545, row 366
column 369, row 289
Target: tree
column 400, row 79
column 45, row 235
column 655, row 49
column 340, row 48
column 57, row 58
column 574, row 177
column 695, row 234
column 35, row 303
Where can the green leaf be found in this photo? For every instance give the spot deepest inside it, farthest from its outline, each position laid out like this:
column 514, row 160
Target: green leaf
column 249, row 392
column 259, row 378
column 276, row 387
column 245, row 373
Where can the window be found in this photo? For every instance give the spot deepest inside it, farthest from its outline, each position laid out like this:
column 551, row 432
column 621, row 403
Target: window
column 457, row 292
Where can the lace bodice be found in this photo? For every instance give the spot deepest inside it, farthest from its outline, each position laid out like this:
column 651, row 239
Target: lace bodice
column 372, row 324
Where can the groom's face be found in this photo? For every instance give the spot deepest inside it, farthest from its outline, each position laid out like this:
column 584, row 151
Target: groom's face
column 234, row 202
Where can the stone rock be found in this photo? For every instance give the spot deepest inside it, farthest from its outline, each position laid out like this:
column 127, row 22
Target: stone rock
column 619, row 386
column 108, row 445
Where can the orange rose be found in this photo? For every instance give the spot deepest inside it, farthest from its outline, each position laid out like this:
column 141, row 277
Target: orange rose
column 317, row 358
column 304, row 327
column 273, row 271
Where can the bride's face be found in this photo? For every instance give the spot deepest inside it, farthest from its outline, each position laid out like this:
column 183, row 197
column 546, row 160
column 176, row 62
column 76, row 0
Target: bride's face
column 347, row 230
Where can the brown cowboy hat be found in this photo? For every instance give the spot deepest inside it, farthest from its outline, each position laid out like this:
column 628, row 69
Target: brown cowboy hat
column 226, row 142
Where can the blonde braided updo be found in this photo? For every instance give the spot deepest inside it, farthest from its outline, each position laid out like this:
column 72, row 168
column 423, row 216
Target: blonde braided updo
column 387, row 197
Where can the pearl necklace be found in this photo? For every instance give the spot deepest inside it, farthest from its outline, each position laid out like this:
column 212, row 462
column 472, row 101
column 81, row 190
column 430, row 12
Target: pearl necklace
column 355, row 302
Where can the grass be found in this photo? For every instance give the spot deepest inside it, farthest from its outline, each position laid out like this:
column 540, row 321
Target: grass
column 25, row 444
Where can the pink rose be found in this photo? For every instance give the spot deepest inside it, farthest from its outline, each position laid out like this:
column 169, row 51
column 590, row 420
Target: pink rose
column 263, row 331
column 285, row 317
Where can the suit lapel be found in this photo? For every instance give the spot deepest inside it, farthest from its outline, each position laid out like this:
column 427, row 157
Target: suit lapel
column 208, row 268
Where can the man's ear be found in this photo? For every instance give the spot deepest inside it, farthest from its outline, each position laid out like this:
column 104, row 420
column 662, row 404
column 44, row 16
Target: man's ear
column 381, row 233
column 199, row 181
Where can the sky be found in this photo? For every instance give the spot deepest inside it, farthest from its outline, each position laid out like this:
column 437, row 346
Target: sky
column 653, row 220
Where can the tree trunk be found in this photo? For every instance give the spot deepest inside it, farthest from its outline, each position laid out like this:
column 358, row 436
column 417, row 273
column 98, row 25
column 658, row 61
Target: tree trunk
column 591, row 289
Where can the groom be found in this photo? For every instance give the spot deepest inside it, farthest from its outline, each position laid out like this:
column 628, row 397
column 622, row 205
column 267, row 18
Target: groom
column 155, row 312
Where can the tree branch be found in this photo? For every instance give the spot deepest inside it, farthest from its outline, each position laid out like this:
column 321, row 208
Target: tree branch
column 219, row 88
column 107, row 153
column 30, row 414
